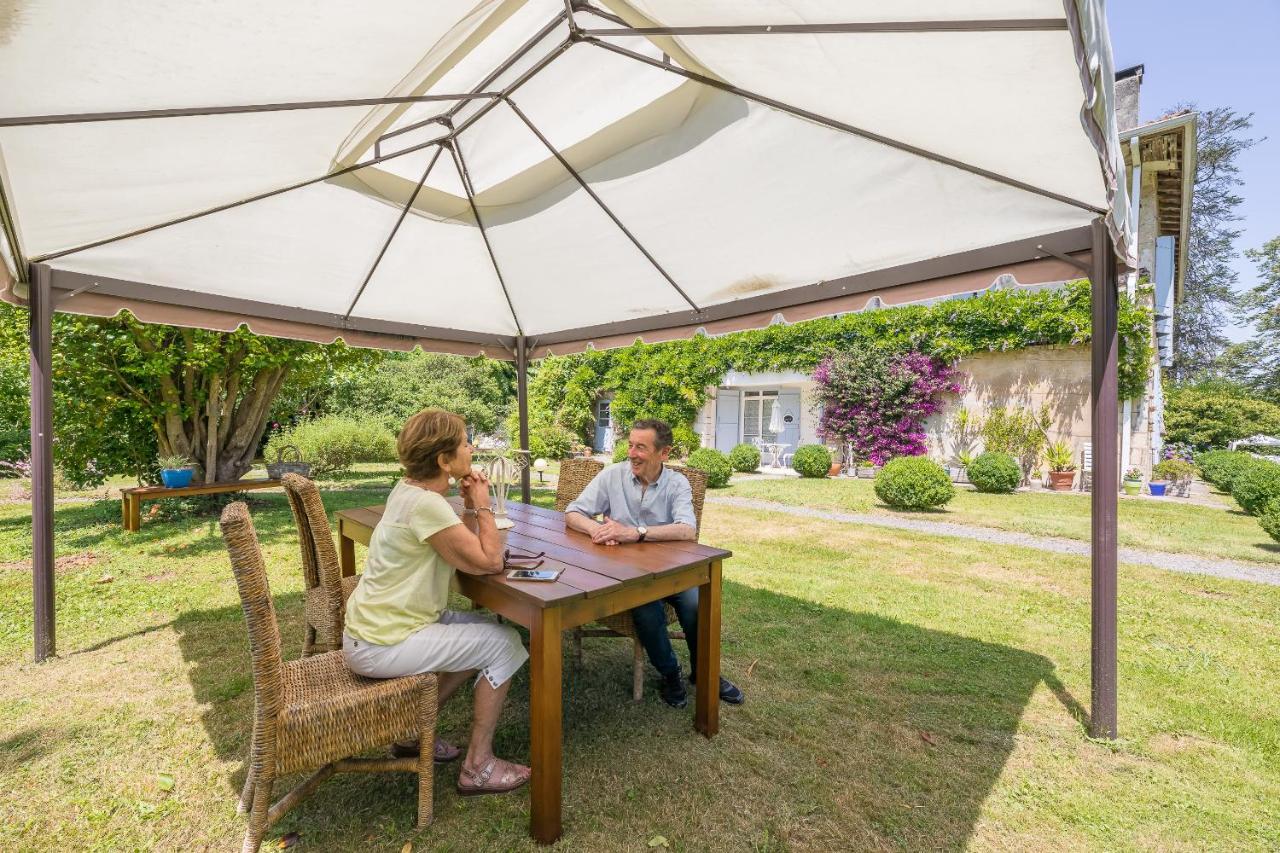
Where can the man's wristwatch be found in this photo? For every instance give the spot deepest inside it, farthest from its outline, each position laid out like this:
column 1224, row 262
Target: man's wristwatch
column 643, row 531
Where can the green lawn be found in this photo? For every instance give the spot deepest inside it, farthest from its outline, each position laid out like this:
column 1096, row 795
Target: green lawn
column 1169, row 525
column 904, row 692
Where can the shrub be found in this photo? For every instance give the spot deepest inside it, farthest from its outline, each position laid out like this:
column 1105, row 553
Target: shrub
column 745, row 458
column 812, row 460
column 1017, row 432
column 714, row 463
column 620, row 450
column 914, row 482
column 334, row 443
column 550, row 441
column 1214, row 412
column 1257, row 486
column 1173, row 470
column 1269, row 518
column 995, row 473
column 1220, row 467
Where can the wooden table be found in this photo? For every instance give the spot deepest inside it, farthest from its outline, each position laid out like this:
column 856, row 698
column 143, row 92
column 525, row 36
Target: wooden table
column 131, row 499
column 595, row 581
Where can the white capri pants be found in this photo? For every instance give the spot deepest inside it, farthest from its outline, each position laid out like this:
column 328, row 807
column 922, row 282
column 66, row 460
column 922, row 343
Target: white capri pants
column 457, row 642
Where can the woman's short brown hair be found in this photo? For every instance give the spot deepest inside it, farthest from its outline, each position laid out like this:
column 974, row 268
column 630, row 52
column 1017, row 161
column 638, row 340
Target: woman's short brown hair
column 424, row 437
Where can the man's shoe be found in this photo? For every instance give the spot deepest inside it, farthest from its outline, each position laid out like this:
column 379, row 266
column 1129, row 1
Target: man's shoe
column 673, row 692
column 729, row 692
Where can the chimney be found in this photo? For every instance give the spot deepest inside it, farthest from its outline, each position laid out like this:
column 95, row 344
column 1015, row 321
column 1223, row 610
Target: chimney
column 1128, row 87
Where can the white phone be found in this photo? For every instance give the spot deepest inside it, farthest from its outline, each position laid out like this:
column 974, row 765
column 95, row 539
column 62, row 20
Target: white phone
column 533, row 574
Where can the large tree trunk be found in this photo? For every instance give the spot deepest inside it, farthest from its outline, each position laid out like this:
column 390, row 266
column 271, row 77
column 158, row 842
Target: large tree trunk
column 215, row 417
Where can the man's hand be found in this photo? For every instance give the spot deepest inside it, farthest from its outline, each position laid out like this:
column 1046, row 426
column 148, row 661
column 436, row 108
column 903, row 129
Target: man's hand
column 614, row 533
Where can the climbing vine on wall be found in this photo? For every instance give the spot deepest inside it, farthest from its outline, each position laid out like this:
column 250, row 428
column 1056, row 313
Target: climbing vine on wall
column 669, row 380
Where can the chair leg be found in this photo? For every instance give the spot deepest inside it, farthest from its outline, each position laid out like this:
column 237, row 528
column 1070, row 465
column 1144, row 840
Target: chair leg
column 637, row 671
column 427, row 705
column 246, row 794
column 577, row 646
column 309, row 642
column 258, row 814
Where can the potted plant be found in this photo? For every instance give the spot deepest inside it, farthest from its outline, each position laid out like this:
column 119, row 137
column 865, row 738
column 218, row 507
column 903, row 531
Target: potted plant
column 867, row 469
column 1037, row 480
column 175, row 472
column 1062, row 466
column 960, row 474
column 1133, row 481
column 1175, row 473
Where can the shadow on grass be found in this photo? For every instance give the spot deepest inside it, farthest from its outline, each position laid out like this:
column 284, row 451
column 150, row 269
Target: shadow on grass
column 895, row 732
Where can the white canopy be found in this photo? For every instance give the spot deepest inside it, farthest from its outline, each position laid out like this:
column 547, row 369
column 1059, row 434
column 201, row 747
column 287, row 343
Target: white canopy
column 461, row 173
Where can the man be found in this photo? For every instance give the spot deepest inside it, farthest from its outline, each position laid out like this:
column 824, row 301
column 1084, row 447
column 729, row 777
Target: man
column 644, row 501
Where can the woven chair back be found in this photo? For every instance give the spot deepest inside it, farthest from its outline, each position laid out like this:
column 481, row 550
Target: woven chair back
column 259, row 610
column 575, row 474
column 320, row 564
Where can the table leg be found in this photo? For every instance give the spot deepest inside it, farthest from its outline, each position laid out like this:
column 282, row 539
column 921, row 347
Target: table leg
column 135, row 514
column 707, row 699
column 124, row 512
column 545, row 698
column 346, row 551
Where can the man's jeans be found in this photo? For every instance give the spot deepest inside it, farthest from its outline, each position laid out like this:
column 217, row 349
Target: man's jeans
column 651, row 630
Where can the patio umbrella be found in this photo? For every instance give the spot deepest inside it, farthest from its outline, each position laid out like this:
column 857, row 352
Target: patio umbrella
column 775, row 418
column 523, row 177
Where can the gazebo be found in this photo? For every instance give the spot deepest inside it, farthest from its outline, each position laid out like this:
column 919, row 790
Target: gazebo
column 525, row 177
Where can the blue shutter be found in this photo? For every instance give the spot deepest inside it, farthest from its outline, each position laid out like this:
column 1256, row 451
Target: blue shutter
column 728, row 403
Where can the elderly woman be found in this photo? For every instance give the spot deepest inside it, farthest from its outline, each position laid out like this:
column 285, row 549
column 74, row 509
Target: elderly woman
column 396, row 620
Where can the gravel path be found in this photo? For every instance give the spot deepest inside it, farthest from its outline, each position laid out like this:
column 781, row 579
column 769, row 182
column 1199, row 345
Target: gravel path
column 1185, row 563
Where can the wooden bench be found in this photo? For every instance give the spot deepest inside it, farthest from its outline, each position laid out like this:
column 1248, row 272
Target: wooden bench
column 131, row 499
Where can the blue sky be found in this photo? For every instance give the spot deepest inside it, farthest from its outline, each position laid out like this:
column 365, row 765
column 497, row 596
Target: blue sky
column 1216, row 54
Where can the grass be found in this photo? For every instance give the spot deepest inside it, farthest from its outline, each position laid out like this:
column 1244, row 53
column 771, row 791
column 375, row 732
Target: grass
column 904, row 692
column 1178, row 526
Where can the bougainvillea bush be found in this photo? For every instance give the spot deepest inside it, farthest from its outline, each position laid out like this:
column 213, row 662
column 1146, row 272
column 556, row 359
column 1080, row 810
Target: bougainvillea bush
column 878, row 400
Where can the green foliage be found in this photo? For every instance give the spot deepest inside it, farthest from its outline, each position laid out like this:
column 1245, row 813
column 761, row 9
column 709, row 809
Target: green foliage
column 1019, row 432
column 714, row 463
column 745, row 458
column 996, row 473
column 1221, row 467
column 620, row 449
column 334, row 443
column 1256, row 486
column 1173, row 470
column 812, row 460
column 480, row 390
column 1269, row 518
column 913, row 482
column 1060, row 456
column 670, row 380
column 169, row 462
column 1214, row 413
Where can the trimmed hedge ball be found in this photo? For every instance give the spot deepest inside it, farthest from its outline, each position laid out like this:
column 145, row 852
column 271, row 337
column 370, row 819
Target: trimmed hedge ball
column 714, row 464
column 745, row 458
column 812, row 460
column 1221, row 467
column 995, row 473
column 913, row 482
column 1256, row 486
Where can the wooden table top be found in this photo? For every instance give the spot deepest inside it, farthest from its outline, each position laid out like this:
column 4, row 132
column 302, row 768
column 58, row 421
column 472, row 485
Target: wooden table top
column 587, row 570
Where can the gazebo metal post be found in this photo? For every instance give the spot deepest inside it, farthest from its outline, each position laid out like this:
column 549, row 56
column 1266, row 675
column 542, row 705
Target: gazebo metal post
column 522, row 405
column 40, row 319
column 1106, row 478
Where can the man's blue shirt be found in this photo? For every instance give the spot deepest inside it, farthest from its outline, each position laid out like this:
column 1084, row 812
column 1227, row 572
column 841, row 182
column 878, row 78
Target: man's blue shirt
column 617, row 493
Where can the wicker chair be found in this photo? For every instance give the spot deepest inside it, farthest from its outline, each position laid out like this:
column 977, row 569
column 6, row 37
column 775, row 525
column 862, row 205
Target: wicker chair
column 575, row 474
column 327, row 590
column 313, row 713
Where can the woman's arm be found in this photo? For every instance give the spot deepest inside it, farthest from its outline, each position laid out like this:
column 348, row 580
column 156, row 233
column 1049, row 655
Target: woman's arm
column 476, row 551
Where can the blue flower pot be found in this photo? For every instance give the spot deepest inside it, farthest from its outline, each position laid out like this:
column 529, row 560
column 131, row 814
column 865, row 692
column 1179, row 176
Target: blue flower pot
column 1157, row 489
column 176, row 478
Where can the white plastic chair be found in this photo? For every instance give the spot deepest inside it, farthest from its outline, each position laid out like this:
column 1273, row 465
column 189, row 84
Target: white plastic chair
column 1086, row 467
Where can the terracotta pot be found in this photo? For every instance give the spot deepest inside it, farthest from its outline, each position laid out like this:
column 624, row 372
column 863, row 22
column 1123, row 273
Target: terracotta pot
column 1060, row 481
column 835, row 470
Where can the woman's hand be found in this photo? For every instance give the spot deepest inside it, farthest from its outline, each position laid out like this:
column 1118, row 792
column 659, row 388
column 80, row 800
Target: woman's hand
column 475, row 489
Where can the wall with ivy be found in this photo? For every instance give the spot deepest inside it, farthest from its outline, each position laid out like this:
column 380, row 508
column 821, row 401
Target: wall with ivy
column 669, row 380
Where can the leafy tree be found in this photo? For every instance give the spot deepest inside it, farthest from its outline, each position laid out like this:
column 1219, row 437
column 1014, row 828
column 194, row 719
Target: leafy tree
column 481, row 390
column 1260, row 356
column 1215, row 412
column 125, row 391
column 1207, row 289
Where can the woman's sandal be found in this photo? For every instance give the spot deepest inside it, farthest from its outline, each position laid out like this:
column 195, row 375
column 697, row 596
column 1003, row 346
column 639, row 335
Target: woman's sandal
column 480, row 781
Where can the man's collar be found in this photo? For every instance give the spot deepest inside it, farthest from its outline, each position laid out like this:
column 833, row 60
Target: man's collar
column 662, row 472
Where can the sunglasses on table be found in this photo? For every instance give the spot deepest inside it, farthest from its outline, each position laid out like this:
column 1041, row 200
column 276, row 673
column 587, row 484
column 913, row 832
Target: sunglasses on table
column 516, row 560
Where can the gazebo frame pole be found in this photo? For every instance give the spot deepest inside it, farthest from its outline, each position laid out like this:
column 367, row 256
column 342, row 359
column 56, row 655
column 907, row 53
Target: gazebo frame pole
column 522, row 405
column 1106, row 478
column 40, row 319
